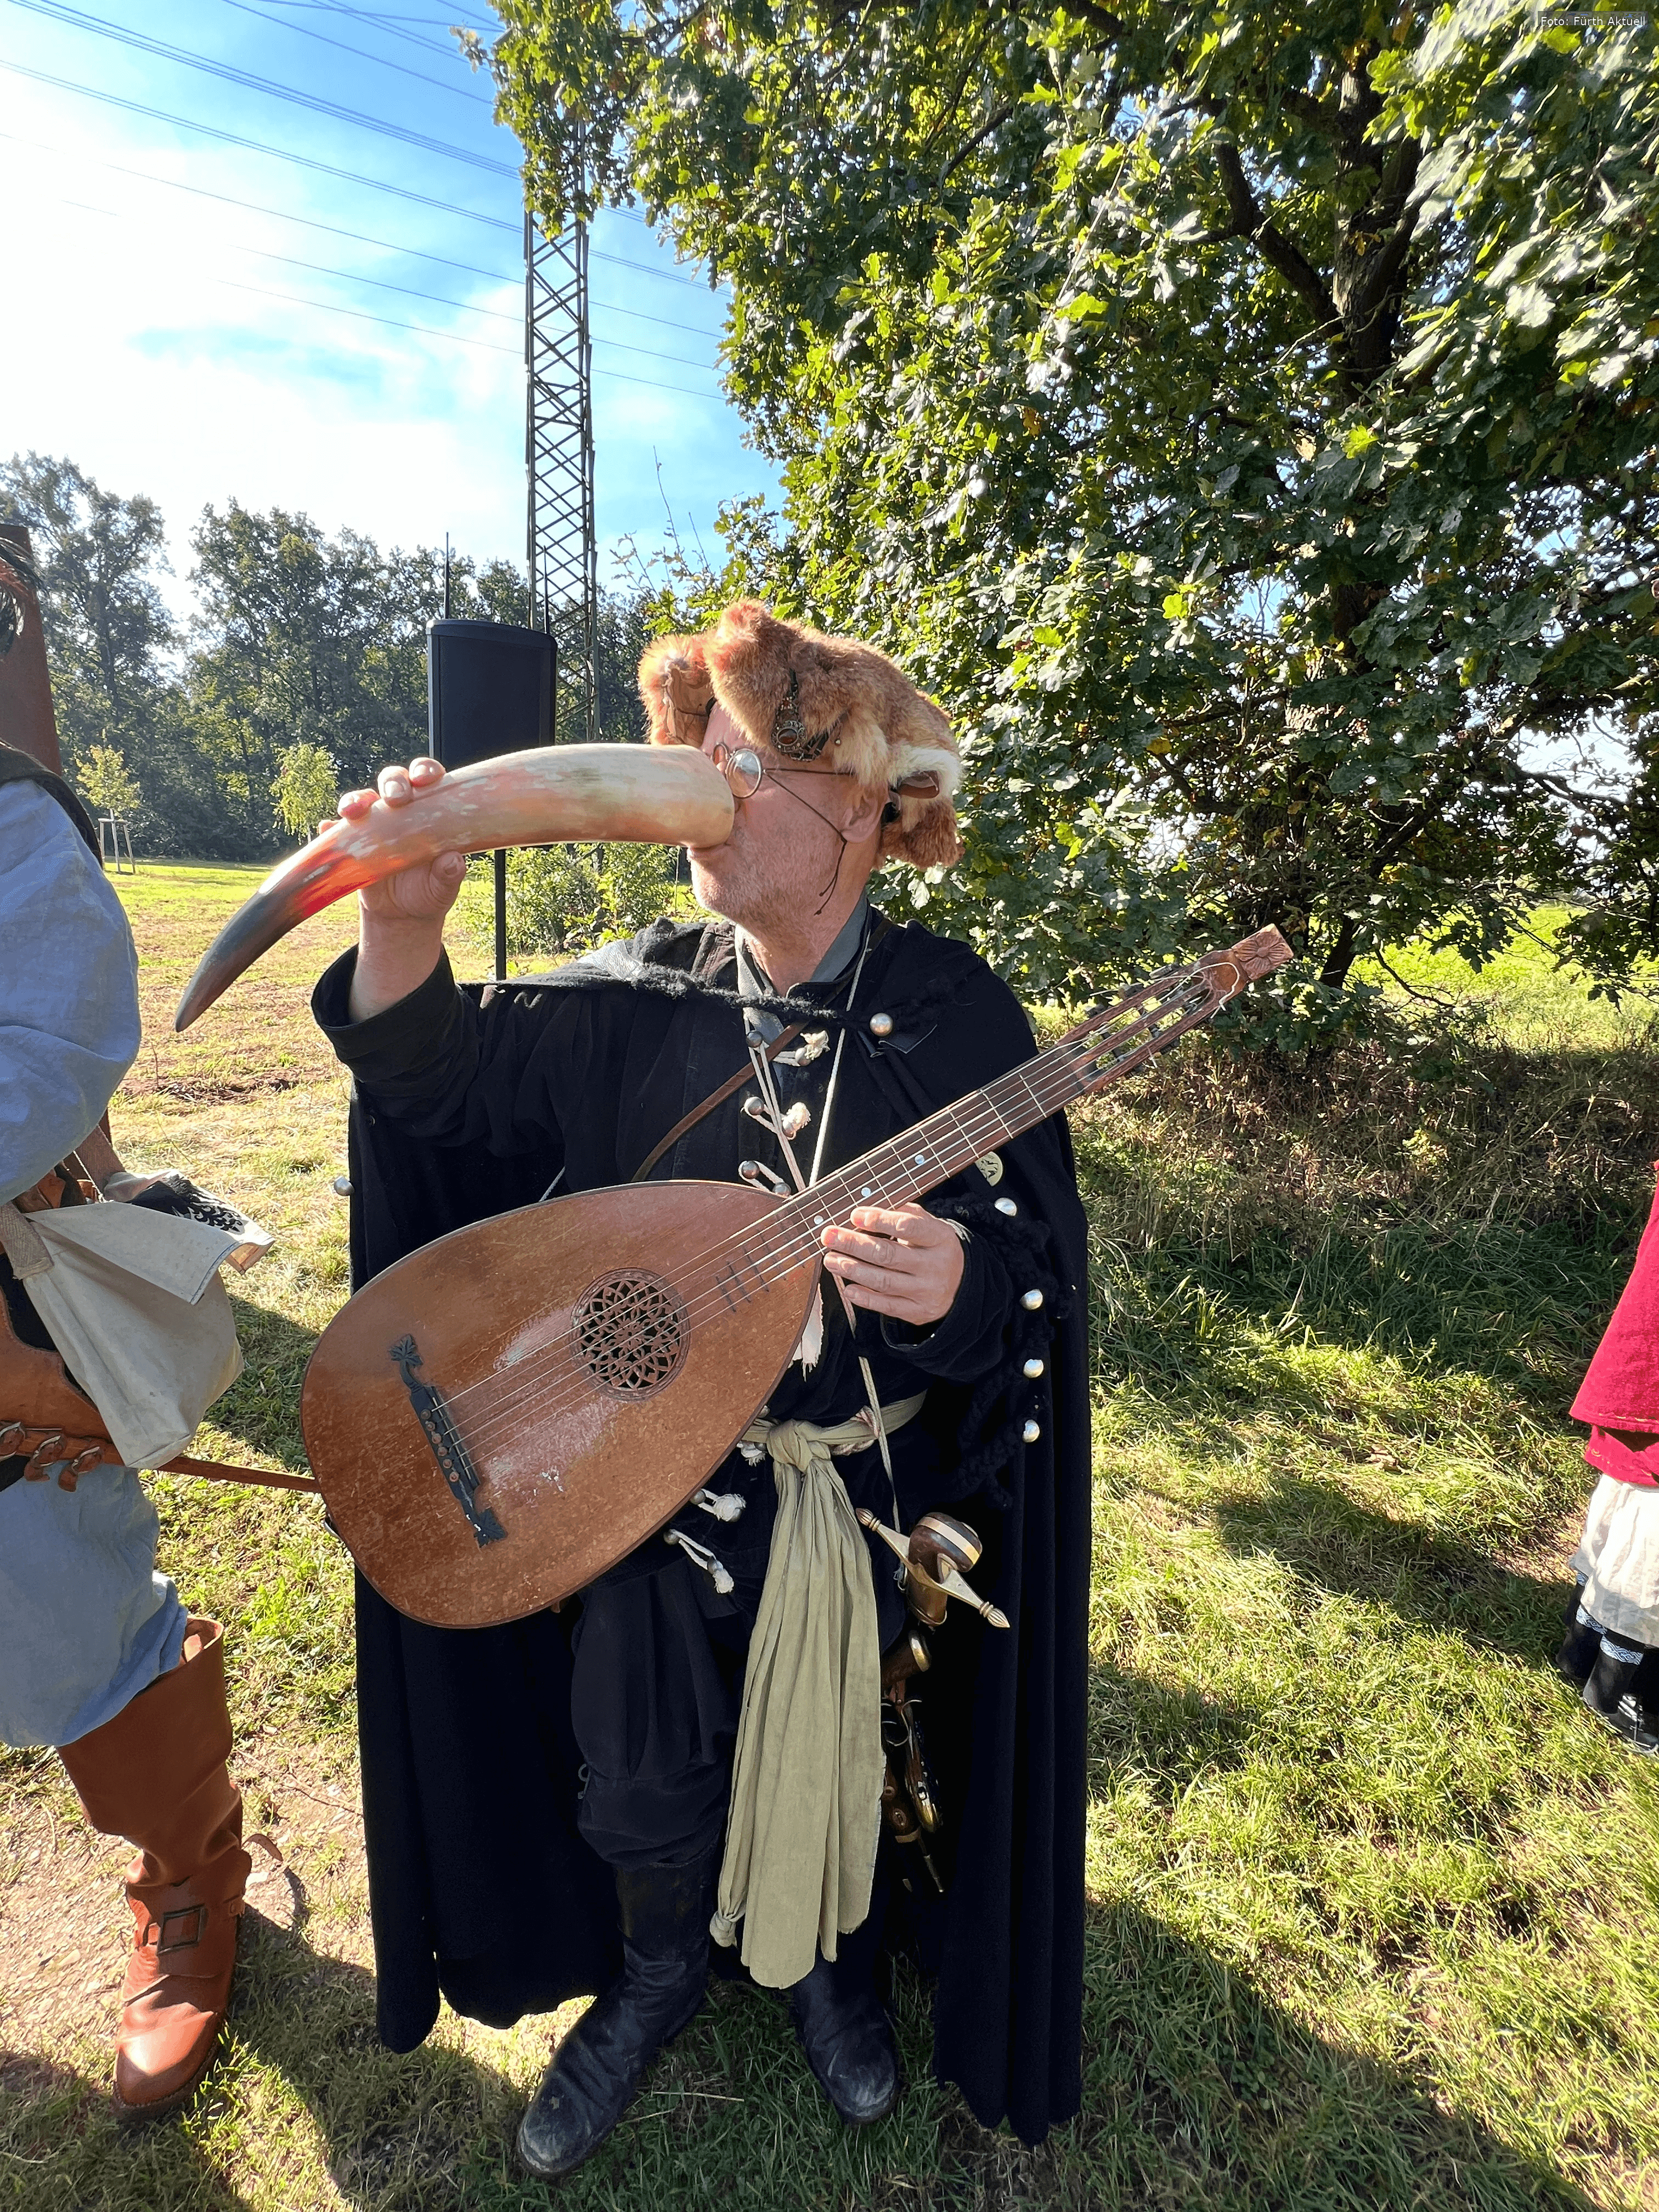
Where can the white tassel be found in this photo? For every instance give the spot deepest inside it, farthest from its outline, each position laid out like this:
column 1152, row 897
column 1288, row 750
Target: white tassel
column 700, row 1556
column 724, row 1504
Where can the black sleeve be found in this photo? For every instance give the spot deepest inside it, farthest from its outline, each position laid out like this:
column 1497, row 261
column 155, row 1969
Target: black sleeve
column 968, row 1342
column 451, row 1071
column 414, row 1058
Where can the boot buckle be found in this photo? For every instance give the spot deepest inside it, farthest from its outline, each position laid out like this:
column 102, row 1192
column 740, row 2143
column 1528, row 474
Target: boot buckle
column 196, row 1914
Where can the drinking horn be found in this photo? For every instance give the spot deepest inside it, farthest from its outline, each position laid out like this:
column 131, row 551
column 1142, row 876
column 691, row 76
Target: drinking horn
column 577, row 794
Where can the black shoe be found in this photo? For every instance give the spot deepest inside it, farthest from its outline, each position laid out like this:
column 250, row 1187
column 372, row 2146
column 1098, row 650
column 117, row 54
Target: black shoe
column 847, row 2042
column 1610, row 1694
column 597, row 2068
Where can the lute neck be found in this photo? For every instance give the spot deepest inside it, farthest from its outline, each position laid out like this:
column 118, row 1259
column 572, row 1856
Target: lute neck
column 1108, row 1045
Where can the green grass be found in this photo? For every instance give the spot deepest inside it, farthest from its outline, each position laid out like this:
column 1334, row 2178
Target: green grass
column 1371, row 1901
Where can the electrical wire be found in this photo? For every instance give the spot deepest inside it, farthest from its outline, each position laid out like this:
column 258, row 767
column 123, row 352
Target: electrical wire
column 321, row 268
column 352, row 276
column 55, row 11
column 305, row 161
column 258, row 146
column 380, row 61
column 281, row 215
column 424, row 330
column 389, row 25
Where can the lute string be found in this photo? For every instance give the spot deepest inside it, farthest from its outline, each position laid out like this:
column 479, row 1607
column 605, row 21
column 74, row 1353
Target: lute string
column 1064, row 1071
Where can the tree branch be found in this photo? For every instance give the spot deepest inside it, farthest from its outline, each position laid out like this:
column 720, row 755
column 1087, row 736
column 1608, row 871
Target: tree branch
column 1249, row 221
column 1099, row 19
column 994, row 122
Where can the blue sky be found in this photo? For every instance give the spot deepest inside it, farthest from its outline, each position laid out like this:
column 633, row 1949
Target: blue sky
column 202, row 320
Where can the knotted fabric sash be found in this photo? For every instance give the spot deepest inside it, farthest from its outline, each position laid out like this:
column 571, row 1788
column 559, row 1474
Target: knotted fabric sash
column 806, row 1812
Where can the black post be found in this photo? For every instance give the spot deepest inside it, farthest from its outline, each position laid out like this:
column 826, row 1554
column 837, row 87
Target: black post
column 500, row 917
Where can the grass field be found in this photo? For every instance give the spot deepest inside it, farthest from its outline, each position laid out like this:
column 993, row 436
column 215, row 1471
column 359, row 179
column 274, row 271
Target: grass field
column 1372, row 1903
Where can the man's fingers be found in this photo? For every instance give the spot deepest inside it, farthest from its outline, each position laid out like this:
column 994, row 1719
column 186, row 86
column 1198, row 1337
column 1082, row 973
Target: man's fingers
column 878, row 1251
column 911, row 1224
column 399, row 784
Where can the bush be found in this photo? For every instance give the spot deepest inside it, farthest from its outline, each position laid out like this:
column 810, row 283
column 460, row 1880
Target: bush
column 565, row 898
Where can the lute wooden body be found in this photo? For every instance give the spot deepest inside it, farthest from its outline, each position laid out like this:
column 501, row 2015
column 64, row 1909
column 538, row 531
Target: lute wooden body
column 506, row 1413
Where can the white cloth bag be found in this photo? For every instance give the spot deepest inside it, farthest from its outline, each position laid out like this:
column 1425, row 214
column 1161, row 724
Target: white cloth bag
column 133, row 1301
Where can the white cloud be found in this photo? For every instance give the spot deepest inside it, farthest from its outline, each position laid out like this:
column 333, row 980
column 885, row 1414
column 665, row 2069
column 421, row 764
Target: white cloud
column 144, row 342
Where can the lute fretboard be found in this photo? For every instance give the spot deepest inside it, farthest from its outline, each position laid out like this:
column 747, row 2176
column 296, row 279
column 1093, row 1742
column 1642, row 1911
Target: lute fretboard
column 1110, row 1044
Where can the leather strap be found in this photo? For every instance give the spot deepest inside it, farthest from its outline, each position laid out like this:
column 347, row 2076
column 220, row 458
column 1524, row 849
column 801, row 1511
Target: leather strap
column 715, row 1098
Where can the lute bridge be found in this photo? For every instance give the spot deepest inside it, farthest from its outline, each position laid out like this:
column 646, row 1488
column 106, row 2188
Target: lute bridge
column 454, row 1461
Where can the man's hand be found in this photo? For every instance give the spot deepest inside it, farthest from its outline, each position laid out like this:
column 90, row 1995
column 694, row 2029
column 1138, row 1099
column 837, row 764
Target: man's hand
column 901, row 1260
column 400, row 919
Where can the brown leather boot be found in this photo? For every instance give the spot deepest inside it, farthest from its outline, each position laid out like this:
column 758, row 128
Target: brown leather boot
column 156, row 1774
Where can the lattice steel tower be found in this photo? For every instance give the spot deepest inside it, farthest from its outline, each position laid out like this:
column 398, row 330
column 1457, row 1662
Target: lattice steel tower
column 563, row 551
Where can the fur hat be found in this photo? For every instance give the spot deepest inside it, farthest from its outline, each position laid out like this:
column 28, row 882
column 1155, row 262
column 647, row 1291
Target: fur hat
column 807, row 697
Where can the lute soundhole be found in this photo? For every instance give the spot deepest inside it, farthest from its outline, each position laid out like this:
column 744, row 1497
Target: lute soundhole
column 631, row 1332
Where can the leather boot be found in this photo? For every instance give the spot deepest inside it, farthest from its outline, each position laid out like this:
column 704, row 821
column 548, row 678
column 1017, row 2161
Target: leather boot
column 156, row 1774
column 599, row 2066
column 845, row 2033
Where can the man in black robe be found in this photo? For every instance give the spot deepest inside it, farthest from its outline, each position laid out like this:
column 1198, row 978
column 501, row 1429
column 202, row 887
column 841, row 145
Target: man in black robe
column 531, row 1792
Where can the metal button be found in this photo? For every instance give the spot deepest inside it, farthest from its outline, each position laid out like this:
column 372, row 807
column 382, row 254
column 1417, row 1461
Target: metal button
column 1031, row 1433
column 881, row 1025
column 1031, row 1301
column 1006, row 1206
column 1033, row 1369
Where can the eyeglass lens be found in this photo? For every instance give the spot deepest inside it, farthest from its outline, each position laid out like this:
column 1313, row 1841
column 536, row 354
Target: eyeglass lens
column 742, row 769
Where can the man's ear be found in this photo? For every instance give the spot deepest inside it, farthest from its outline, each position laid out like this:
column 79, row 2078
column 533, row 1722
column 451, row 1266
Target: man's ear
column 864, row 816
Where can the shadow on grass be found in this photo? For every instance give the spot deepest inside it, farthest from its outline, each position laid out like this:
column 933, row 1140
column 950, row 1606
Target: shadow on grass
column 261, row 1406
column 1198, row 2091
column 1423, row 1576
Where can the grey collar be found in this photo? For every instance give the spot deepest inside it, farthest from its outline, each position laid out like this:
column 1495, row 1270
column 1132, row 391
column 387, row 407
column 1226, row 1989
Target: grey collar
column 753, row 982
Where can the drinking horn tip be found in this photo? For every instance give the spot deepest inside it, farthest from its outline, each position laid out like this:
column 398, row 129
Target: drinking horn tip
column 586, row 794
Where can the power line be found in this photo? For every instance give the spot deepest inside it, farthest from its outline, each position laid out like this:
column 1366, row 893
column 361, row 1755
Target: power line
column 258, row 146
column 363, row 237
column 56, row 12
column 305, row 161
column 281, row 215
column 383, row 284
column 380, row 61
column 321, row 268
column 425, row 329
column 389, row 25
column 482, row 345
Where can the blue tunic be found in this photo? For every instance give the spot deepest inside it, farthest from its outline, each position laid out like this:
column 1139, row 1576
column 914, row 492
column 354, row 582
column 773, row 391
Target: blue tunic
column 88, row 1621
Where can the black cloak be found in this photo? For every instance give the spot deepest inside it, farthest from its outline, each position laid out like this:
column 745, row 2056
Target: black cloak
column 480, row 1886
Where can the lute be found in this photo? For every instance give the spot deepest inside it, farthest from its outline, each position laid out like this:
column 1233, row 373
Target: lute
column 504, row 1413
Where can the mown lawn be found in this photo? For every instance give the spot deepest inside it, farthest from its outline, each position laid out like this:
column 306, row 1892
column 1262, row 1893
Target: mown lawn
column 1372, row 1903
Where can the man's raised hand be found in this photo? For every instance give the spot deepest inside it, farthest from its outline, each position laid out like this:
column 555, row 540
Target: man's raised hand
column 426, row 891
column 400, row 919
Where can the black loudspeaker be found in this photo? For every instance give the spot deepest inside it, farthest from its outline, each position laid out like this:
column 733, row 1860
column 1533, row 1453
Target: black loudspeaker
column 488, row 690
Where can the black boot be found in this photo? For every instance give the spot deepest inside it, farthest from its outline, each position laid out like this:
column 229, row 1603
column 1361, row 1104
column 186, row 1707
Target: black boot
column 1610, row 1694
column 597, row 2068
column 1575, row 1660
column 844, row 2033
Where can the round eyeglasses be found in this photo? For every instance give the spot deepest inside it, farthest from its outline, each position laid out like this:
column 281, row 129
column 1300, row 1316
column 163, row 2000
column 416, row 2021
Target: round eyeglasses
column 746, row 771
column 742, row 767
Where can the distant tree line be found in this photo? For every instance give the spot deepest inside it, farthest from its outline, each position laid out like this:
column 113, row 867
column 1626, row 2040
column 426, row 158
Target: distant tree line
column 301, row 671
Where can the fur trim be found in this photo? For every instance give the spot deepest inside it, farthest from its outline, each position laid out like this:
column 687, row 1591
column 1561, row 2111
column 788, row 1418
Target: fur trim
column 675, row 690
column 874, row 724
